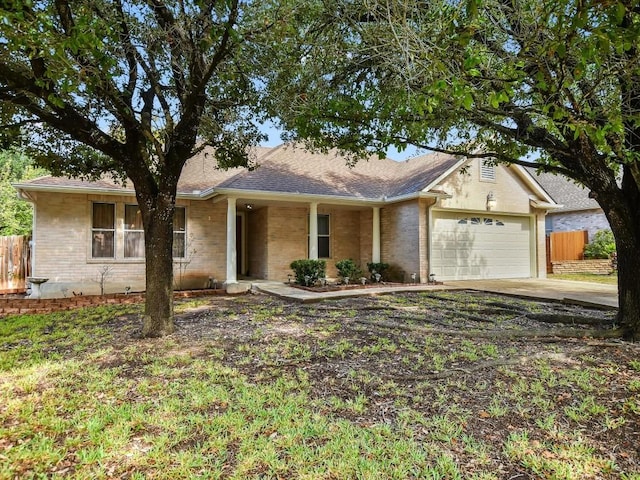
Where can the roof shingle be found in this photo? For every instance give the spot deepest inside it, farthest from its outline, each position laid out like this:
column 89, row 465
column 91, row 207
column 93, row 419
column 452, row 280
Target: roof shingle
column 291, row 169
column 564, row 191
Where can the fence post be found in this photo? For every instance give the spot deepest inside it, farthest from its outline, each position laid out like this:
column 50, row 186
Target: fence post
column 14, row 263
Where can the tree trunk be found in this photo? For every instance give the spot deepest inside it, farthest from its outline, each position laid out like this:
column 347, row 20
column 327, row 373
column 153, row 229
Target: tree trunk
column 629, row 291
column 157, row 215
column 627, row 247
column 621, row 209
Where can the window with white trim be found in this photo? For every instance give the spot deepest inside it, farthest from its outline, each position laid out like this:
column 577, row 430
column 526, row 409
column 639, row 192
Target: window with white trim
column 324, row 250
column 487, row 171
column 324, row 237
column 180, row 232
column 103, row 230
column 133, row 232
column 480, row 221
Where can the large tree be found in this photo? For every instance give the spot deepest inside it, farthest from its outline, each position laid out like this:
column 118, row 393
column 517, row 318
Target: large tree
column 552, row 84
column 134, row 88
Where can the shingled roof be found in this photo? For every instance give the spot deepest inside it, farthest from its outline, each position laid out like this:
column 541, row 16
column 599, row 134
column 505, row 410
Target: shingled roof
column 291, row 169
column 566, row 192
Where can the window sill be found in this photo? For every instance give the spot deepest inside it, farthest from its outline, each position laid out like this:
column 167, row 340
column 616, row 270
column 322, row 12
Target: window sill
column 115, row 260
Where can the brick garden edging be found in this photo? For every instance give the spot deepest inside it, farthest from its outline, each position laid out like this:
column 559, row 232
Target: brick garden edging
column 12, row 306
column 597, row 266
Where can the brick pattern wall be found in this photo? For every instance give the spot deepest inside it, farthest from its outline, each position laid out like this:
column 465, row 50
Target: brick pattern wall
column 345, row 239
column 207, row 238
column 423, row 231
column 276, row 235
column 13, row 306
column 583, row 266
column 400, row 237
column 366, row 238
column 540, row 270
column 287, row 238
column 62, row 249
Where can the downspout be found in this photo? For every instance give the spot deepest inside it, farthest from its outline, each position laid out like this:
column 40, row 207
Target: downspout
column 430, row 236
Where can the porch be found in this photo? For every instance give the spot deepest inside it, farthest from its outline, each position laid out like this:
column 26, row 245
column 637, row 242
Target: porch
column 264, row 236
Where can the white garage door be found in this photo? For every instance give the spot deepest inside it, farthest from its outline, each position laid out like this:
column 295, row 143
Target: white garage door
column 472, row 246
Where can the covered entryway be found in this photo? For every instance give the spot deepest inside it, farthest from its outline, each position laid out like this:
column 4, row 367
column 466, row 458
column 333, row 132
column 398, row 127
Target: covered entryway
column 468, row 246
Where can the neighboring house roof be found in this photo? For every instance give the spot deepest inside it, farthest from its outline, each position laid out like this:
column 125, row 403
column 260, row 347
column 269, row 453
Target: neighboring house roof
column 566, row 192
column 289, row 170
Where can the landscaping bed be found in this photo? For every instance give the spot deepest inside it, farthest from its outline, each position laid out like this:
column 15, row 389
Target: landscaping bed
column 410, row 385
column 336, row 287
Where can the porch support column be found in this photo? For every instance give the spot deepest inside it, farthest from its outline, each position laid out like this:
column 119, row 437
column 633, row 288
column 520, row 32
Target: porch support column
column 313, row 231
column 375, row 238
column 231, row 242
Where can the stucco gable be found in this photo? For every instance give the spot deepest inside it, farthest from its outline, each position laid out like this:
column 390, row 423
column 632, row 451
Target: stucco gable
column 512, row 190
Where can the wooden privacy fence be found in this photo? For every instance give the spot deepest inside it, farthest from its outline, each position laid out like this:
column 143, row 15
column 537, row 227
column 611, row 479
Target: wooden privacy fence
column 15, row 264
column 563, row 246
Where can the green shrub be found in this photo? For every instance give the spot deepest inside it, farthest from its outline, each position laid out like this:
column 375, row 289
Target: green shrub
column 377, row 267
column 602, row 246
column 348, row 269
column 308, row 271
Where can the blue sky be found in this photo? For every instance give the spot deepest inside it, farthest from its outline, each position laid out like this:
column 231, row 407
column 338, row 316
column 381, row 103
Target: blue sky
column 274, row 140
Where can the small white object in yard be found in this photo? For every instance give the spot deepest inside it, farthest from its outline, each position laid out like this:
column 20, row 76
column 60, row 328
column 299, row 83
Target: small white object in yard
column 127, row 290
column 413, row 277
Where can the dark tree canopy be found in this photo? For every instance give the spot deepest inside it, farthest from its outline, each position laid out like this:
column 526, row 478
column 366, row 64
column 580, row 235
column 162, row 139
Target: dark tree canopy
column 555, row 85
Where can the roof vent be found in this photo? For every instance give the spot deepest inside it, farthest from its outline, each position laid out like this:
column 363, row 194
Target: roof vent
column 487, row 171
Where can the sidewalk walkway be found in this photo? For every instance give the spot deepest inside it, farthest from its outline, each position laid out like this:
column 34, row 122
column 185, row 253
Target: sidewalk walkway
column 584, row 293
column 283, row 290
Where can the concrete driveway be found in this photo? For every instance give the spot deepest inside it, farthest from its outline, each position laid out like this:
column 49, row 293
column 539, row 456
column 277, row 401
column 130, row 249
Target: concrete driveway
column 562, row 290
column 577, row 292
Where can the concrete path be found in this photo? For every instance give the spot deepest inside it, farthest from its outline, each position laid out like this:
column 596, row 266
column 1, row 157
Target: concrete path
column 305, row 296
column 560, row 290
column 585, row 293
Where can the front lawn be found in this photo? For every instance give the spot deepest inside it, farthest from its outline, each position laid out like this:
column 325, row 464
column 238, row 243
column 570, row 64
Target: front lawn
column 419, row 385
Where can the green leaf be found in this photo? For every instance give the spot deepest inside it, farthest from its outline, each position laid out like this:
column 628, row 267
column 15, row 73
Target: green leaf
column 621, row 10
column 467, row 101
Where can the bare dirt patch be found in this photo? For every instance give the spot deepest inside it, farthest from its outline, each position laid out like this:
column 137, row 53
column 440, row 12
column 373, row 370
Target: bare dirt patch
column 504, row 384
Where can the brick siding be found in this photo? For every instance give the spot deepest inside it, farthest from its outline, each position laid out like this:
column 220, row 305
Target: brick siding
column 403, row 238
column 287, row 239
column 583, row 266
column 11, row 306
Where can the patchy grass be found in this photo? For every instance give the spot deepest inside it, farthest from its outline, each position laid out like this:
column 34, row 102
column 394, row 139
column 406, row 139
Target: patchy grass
column 586, row 277
column 253, row 387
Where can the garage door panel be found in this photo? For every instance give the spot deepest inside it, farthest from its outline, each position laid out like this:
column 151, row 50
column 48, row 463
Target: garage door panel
column 496, row 247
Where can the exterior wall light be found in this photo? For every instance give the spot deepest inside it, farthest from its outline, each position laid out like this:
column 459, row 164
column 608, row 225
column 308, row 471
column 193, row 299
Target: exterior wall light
column 491, row 201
